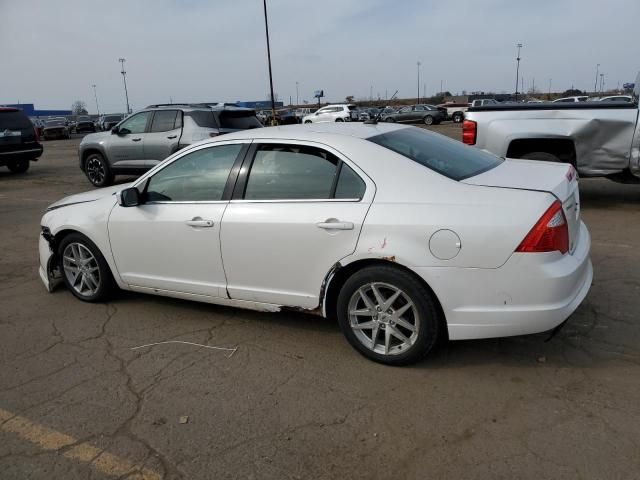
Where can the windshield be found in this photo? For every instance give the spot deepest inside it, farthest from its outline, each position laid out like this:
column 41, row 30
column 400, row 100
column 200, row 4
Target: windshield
column 83, row 119
column 112, row 118
column 11, row 119
column 437, row 152
column 55, row 123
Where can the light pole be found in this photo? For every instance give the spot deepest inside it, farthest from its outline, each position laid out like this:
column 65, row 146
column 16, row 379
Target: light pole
column 96, row 97
column 549, row 96
column 266, row 29
column 124, row 80
column 418, row 64
column 519, row 45
column 595, row 85
column 297, row 99
column 601, row 82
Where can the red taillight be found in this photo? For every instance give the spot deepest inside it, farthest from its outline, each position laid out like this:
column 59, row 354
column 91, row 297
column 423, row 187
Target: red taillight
column 35, row 132
column 469, row 128
column 551, row 233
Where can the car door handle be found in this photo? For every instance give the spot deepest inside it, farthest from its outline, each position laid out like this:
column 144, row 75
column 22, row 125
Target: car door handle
column 332, row 224
column 136, row 139
column 199, row 222
column 172, row 136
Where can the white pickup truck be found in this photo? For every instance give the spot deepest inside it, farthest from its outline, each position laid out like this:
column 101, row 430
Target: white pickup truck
column 600, row 139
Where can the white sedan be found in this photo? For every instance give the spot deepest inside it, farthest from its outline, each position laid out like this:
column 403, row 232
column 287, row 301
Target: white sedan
column 403, row 235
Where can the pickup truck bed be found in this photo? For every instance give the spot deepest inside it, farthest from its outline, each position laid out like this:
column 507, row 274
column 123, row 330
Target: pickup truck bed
column 598, row 138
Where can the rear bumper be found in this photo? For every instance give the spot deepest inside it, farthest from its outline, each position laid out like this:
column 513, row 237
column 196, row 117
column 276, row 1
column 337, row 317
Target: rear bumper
column 30, row 153
column 530, row 293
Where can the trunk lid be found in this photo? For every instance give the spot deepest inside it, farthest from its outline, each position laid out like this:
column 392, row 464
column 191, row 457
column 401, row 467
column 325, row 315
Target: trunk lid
column 559, row 179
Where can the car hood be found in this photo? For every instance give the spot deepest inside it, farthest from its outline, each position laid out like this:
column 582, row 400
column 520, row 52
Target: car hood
column 95, row 137
column 88, row 196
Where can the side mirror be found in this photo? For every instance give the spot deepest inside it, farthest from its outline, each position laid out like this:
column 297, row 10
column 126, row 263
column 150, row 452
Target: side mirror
column 129, row 197
column 115, row 130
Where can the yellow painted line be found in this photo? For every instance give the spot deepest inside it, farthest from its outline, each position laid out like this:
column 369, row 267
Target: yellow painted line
column 49, row 439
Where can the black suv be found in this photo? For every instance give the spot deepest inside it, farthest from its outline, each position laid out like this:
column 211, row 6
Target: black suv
column 142, row 140
column 19, row 142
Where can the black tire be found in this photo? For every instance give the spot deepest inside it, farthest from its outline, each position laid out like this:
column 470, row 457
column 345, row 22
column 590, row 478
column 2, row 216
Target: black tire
column 308, row 121
column 390, row 120
column 428, row 318
column 20, row 166
column 428, row 120
column 542, row 156
column 97, row 170
column 106, row 284
column 339, row 120
column 457, row 117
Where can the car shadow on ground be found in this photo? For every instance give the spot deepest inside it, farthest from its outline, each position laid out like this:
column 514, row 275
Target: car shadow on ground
column 573, row 346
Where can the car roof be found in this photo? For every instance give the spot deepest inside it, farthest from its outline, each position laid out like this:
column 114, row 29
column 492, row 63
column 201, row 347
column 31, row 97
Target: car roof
column 195, row 106
column 314, row 132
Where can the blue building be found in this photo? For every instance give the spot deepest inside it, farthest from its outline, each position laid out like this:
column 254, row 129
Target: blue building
column 30, row 110
column 259, row 105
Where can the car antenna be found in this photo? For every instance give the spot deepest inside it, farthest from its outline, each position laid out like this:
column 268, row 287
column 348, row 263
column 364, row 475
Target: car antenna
column 374, row 121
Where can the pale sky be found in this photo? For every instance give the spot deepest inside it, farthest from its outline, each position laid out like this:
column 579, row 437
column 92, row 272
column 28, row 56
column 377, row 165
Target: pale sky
column 51, row 52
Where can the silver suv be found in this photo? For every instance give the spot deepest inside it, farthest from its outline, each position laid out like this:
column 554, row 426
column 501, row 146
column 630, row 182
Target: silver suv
column 147, row 137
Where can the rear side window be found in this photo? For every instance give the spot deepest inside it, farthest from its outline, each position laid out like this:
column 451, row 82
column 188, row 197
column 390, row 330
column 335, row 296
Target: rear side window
column 238, row 120
column 203, row 118
column 438, row 153
column 14, row 120
column 163, row 120
column 349, row 185
column 285, row 172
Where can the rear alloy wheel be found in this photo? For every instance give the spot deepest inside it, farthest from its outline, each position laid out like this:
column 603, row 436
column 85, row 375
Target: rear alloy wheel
column 97, row 170
column 542, row 156
column 428, row 120
column 457, row 117
column 388, row 315
column 20, row 166
column 85, row 271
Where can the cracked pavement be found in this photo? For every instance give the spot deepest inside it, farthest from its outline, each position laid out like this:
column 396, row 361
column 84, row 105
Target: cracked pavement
column 296, row 401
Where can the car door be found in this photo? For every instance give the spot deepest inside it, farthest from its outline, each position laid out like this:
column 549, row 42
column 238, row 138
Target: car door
column 171, row 242
column 404, row 114
column 163, row 137
column 298, row 208
column 324, row 115
column 126, row 148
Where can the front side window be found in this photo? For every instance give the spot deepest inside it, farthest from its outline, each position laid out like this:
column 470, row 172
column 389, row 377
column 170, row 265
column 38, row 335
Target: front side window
column 405, row 110
column 135, row 124
column 164, row 120
column 196, row 177
column 349, row 185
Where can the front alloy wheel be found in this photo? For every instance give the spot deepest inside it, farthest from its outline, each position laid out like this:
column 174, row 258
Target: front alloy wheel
column 85, row 271
column 81, row 269
column 388, row 315
column 98, row 171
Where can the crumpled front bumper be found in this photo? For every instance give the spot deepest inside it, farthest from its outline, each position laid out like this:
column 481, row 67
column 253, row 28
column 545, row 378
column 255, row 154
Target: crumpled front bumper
column 48, row 268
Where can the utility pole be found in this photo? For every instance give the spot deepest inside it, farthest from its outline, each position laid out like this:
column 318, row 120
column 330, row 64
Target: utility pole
column 266, row 29
column 549, row 90
column 370, row 93
column 441, row 91
column 418, row 64
column 595, row 85
column 297, row 96
column 424, row 90
column 601, row 82
column 519, row 45
column 96, row 97
column 124, row 79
